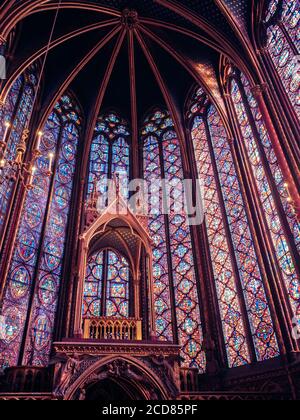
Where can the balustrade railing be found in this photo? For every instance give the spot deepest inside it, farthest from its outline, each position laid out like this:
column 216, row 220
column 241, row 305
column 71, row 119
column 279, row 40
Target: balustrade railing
column 103, row 328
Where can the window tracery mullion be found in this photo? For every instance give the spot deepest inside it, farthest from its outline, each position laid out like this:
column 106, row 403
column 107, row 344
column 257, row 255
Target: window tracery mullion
column 17, row 302
column 290, row 123
column 35, row 286
column 270, row 177
column 213, row 319
column 110, row 159
column 278, row 20
column 286, row 9
column 110, row 151
column 104, row 282
column 245, row 318
column 288, row 38
column 118, row 285
column 283, row 47
column 162, row 287
column 280, row 255
column 190, row 328
column 168, row 242
column 16, row 105
column 253, row 222
column 237, row 275
column 40, row 248
column 232, row 326
column 255, row 214
column 253, row 189
column 10, row 186
column 283, row 95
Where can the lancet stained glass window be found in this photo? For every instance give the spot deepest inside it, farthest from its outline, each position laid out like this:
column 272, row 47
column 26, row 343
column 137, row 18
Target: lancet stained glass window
column 16, row 111
column 267, row 153
column 262, row 159
column 175, row 286
column 110, row 153
column 221, row 189
column 36, row 265
column 284, row 46
column 107, row 286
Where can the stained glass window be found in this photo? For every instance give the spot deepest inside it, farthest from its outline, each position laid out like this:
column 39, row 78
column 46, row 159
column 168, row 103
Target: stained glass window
column 110, row 153
column 264, row 163
column 175, row 285
column 93, row 287
column 269, row 156
column 284, row 46
column 36, row 266
column 162, row 292
column 221, row 189
column 16, row 111
column 107, row 286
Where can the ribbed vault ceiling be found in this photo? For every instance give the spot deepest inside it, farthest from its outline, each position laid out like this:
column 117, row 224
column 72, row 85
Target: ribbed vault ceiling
column 112, row 61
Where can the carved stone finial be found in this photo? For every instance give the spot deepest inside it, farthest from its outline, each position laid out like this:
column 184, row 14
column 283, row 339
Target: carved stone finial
column 91, row 205
column 130, row 18
column 92, row 201
column 117, row 184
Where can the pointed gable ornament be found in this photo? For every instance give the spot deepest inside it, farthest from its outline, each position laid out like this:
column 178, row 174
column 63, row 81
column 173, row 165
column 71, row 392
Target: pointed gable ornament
column 117, row 207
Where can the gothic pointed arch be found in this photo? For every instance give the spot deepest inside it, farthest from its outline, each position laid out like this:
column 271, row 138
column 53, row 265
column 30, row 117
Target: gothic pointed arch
column 110, row 152
column 151, row 384
column 114, row 244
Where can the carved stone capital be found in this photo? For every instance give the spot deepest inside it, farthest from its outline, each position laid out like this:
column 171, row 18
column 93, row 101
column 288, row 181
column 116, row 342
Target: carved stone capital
column 262, row 51
column 258, row 90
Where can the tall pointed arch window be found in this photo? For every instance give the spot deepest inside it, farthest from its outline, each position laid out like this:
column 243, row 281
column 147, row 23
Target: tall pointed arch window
column 34, row 276
column 14, row 118
column 176, row 299
column 283, row 44
column 110, row 153
column 243, row 304
column 107, row 286
column 272, row 190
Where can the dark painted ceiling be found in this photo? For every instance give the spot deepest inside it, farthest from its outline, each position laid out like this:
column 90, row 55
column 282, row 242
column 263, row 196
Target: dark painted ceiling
column 33, row 34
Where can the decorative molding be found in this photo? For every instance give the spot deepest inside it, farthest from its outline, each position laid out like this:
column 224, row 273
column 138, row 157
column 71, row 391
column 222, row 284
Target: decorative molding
column 105, row 348
column 156, row 376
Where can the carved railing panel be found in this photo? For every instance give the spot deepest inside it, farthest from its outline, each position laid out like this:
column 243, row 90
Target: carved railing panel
column 27, row 379
column 129, row 329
